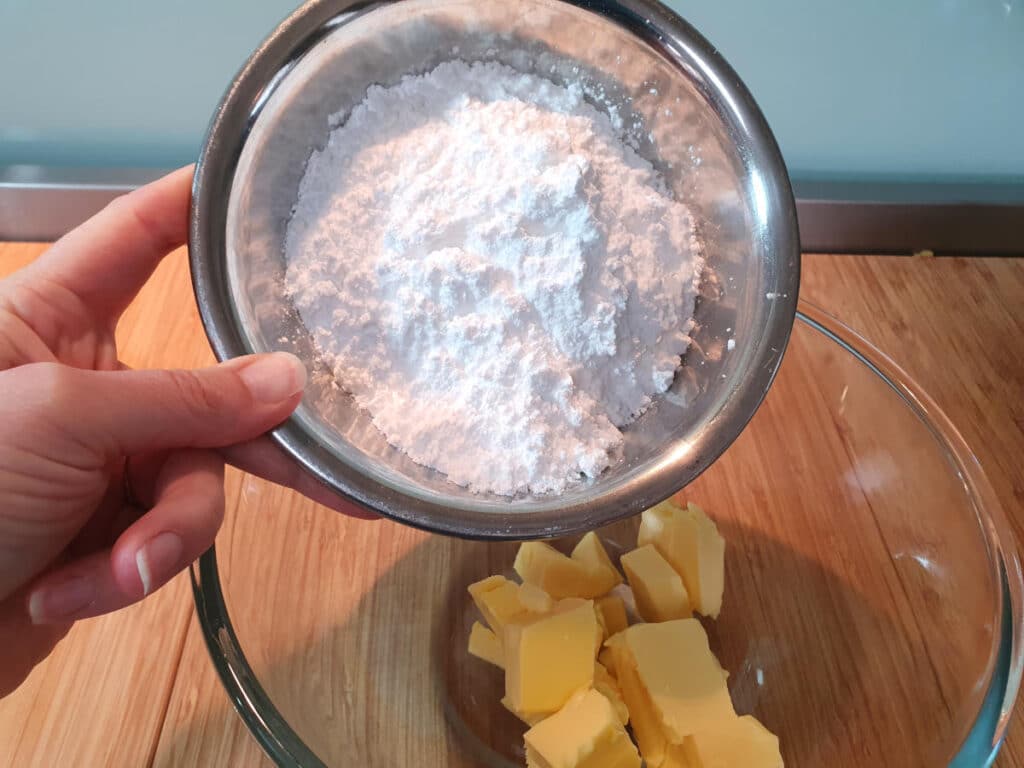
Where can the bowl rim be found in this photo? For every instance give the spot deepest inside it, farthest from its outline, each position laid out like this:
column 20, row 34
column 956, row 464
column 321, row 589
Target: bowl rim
column 674, row 39
column 976, row 746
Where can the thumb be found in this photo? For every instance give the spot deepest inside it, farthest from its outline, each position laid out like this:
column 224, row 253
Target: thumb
column 122, row 413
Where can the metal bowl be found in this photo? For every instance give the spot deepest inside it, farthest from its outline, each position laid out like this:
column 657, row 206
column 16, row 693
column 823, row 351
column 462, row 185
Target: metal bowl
column 692, row 118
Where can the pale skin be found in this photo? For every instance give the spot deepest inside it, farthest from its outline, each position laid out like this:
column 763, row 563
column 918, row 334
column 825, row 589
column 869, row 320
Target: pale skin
column 74, row 419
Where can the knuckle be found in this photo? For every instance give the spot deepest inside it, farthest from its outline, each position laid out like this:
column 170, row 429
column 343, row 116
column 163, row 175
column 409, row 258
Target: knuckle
column 40, row 400
column 47, row 384
column 197, row 395
column 128, row 207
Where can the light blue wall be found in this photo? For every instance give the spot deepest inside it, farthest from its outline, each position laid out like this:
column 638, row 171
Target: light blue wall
column 887, row 87
column 905, row 88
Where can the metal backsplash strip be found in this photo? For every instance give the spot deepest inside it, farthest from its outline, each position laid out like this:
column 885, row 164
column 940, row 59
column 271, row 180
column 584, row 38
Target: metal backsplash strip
column 40, row 203
column 897, row 217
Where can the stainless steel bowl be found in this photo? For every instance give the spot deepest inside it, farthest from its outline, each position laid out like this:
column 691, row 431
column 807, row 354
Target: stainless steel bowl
column 697, row 123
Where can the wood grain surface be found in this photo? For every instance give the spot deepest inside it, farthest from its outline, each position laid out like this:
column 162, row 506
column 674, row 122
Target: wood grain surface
column 357, row 633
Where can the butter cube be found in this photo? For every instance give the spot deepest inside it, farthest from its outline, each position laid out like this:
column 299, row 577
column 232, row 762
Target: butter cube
column 497, row 599
column 642, row 716
column 604, row 683
column 571, row 603
column 585, row 733
column 657, row 588
column 682, row 678
column 611, row 612
column 549, row 659
column 525, row 717
column 672, row 686
column 592, row 554
column 503, row 602
column 732, row 742
column 535, row 599
column 690, row 541
column 484, row 644
column 607, row 659
column 559, row 575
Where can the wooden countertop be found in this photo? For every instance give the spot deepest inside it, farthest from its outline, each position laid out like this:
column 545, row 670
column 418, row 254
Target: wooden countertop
column 137, row 688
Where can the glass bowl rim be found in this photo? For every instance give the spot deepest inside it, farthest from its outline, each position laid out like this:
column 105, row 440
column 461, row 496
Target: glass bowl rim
column 977, row 746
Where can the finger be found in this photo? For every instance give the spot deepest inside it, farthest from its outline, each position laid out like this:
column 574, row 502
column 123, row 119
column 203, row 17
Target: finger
column 189, row 509
column 24, row 644
column 106, row 260
column 261, row 457
column 100, row 415
column 182, row 525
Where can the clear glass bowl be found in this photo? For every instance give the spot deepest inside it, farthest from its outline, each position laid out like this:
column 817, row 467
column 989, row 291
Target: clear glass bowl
column 872, row 613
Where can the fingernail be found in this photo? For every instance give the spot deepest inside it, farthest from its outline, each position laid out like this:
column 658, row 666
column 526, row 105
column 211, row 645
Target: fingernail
column 160, row 557
column 275, row 377
column 62, row 600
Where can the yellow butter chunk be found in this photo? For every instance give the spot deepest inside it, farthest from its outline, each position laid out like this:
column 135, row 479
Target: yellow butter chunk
column 658, row 590
column 642, row 718
column 604, row 683
column 591, row 553
column 572, row 603
column 497, row 599
column 740, row 741
column 607, row 659
column 559, row 575
column 502, row 602
column 484, row 644
column 585, row 733
column 578, row 674
column 690, row 541
column 525, row 717
column 535, row 599
column 682, row 678
column 549, row 659
column 611, row 612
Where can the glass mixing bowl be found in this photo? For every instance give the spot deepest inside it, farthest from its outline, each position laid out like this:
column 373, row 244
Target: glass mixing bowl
column 872, row 615
column 685, row 110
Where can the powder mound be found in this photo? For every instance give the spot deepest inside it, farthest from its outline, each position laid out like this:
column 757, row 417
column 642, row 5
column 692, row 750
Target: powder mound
column 497, row 279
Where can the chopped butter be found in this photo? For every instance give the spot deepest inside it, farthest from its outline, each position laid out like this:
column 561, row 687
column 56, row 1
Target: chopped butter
column 690, row 541
column 549, row 659
column 484, row 644
column 740, row 741
column 680, row 674
column 658, row 590
column 611, row 612
column 642, row 717
column 605, row 684
column 585, row 733
column 535, row 599
column 592, row 554
column 559, row 575
column 503, row 602
column 525, row 717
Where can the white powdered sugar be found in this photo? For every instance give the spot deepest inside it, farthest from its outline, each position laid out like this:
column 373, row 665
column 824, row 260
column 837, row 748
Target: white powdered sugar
column 497, row 279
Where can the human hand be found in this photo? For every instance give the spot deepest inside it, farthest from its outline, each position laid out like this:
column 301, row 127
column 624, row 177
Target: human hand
column 111, row 480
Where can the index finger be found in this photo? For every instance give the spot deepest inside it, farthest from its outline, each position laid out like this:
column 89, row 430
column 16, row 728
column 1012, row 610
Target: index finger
column 106, row 260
